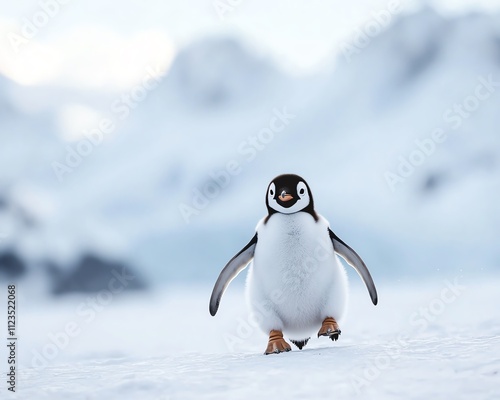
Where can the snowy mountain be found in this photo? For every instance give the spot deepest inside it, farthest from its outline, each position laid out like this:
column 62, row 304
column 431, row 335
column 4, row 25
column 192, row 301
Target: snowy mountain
column 356, row 133
column 348, row 133
column 220, row 72
column 38, row 233
column 447, row 201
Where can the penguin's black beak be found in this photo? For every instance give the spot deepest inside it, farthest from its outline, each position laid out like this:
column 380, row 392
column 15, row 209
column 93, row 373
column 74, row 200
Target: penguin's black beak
column 284, row 196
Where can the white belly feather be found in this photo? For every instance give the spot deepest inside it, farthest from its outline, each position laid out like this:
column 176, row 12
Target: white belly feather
column 295, row 280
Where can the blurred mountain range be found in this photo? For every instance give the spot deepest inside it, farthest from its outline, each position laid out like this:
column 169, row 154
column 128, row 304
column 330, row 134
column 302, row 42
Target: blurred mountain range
column 399, row 144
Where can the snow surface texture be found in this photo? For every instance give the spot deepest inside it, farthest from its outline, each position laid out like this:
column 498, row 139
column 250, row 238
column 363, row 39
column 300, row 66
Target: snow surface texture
column 437, row 340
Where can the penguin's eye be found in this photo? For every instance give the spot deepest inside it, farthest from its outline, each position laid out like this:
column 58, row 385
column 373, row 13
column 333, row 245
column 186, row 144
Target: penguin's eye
column 302, row 191
column 271, row 192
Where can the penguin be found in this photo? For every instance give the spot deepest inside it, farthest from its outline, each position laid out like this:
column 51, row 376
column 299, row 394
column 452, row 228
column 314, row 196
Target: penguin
column 296, row 284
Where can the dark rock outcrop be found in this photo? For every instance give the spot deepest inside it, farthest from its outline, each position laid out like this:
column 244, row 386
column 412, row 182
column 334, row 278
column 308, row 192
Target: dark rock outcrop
column 93, row 274
column 11, row 266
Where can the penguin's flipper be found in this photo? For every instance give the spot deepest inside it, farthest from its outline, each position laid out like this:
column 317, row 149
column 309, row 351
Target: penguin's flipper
column 232, row 268
column 355, row 261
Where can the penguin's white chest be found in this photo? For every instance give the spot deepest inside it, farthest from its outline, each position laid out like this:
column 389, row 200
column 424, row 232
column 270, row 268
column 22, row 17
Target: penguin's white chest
column 296, row 279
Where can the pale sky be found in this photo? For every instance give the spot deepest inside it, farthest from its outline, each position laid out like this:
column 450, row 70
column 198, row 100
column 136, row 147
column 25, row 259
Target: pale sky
column 83, row 44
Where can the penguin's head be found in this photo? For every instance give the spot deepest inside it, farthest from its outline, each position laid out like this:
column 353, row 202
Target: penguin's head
column 288, row 194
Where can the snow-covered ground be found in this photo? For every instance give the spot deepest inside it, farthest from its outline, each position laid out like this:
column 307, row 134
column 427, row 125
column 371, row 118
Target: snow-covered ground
column 426, row 339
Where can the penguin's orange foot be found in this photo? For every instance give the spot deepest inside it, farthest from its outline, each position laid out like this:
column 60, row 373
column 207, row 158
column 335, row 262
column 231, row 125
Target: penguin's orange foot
column 330, row 328
column 276, row 343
